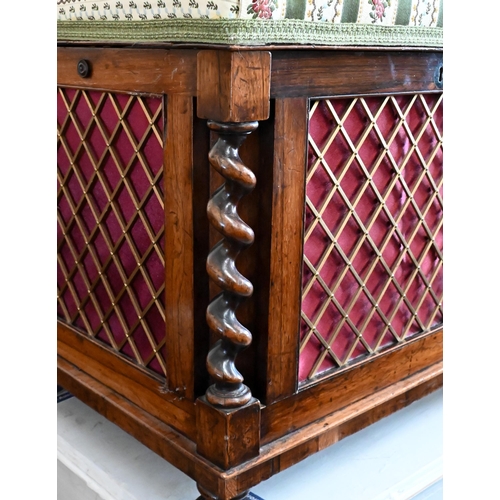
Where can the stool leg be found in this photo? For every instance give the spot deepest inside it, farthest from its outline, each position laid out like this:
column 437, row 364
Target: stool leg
column 206, row 495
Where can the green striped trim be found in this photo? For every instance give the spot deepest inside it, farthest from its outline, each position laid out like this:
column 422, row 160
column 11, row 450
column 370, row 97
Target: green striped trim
column 350, row 11
column 249, row 32
column 440, row 15
column 403, row 14
column 296, row 9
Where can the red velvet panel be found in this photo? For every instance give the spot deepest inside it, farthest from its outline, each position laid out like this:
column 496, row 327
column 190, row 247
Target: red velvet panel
column 110, row 231
column 372, row 272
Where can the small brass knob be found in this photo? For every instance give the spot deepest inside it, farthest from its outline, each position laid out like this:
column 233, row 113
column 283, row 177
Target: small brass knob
column 83, row 68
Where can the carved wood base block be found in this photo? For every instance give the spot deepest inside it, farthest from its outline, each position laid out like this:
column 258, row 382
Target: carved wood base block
column 228, row 437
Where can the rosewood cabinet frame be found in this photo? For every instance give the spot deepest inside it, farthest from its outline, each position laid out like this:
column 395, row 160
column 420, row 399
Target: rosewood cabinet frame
column 233, row 434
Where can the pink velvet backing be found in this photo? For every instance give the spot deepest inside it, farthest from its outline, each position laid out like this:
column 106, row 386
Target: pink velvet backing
column 363, row 298
column 110, row 221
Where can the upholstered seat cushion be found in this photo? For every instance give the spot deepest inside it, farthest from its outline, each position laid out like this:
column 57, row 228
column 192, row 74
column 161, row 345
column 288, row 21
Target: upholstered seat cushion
column 255, row 22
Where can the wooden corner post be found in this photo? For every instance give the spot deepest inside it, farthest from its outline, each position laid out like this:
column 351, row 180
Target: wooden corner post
column 233, row 94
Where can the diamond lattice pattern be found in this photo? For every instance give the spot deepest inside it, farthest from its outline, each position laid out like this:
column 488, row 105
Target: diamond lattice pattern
column 373, row 243
column 110, row 231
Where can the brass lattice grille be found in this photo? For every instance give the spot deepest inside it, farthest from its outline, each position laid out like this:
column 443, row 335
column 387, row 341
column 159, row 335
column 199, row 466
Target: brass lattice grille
column 373, row 243
column 110, row 216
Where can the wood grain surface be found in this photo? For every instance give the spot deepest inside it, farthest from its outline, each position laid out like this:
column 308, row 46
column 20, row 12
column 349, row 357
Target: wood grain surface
column 155, row 71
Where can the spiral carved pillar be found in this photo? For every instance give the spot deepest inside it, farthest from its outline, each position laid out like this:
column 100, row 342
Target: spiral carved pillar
column 228, row 390
column 233, row 94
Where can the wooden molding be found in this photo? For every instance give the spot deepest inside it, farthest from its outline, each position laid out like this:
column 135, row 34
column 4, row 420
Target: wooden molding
column 122, row 375
column 294, row 447
column 345, row 388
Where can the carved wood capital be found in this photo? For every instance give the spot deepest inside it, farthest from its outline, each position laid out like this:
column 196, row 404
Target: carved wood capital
column 233, row 86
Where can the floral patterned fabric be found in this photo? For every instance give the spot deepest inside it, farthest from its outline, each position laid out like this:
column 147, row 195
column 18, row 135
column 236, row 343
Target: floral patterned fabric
column 421, row 13
column 389, row 23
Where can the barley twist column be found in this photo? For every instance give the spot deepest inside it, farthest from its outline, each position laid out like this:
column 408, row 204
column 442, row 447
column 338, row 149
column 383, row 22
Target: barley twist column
column 233, row 94
column 228, row 390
